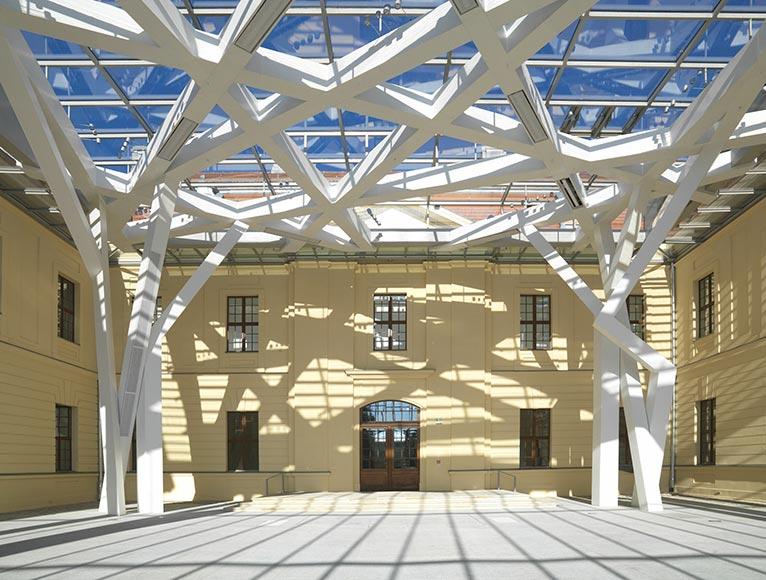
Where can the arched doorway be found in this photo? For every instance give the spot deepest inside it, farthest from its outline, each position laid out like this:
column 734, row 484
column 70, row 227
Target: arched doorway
column 390, row 446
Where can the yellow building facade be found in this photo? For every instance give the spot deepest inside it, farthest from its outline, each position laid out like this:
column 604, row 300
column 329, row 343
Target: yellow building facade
column 316, row 368
column 727, row 365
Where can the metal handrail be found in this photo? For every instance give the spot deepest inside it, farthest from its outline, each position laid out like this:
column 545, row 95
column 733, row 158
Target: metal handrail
column 499, row 471
column 281, row 474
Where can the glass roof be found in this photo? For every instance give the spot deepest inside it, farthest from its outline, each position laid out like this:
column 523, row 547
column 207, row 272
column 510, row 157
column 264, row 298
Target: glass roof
column 625, row 66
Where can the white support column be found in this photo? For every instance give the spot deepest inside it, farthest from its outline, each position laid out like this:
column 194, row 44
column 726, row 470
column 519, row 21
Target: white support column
column 606, row 423
column 648, row 424
column 149, row 451
column 605, row 457
column 149, row 459
column 139, row 327
column 113, row 485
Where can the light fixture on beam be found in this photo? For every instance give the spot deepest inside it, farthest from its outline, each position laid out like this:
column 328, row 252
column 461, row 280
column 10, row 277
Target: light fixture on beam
column 463, row 6
column 694, row 225
column 736, row 191
column 178, row 136
column 714, row 209
column 260, row 24
column 528, row 117
column 679, row 240
column 36, row 191
column 569, row 190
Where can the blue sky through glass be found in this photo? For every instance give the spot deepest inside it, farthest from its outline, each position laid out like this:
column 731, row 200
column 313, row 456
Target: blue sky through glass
column 619, row 68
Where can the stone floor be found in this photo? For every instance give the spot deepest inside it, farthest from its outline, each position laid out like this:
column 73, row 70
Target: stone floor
column 432, row 535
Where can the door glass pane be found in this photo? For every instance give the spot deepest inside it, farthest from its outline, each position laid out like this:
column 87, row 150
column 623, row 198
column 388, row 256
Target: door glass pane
column 373, row 448
column 405, row 448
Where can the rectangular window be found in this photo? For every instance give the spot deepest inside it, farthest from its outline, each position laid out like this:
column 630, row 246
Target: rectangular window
column 626, row 460
column 390, row 322
column 707, row 432
column 63, row 438
column 535, row 437
column 242, row 324
column 243, row 441
column 66, row 309
column 705, row 306
column 535, row 323
column 636, row 314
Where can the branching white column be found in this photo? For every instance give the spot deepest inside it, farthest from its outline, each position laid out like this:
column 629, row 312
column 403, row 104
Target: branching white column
column 144, row 303
column 149, row 476
column 89, row 234
column 113, row 486
column 647, row 446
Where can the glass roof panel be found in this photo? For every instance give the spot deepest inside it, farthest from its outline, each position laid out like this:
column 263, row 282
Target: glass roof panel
column 744, row 5
column 619, row 118
column 352, row 32
column 659, row 5
column 213, row 23
column 629, row 39
column 452, row 148
column 558, row 114
column 47, row 47
column 686, row 84
column 542, row 76
column 587, row 117
column 504, row 109
column 723, row 39
column 113, row 148
column 214, row 118
column 607, row 83
column 113, row 119
column 79, row 82
column 558, row 46
column 610, row 39
column 301, row 36
column 158, row 82
column 154, row 114
column 426, row 78
column 655, row 117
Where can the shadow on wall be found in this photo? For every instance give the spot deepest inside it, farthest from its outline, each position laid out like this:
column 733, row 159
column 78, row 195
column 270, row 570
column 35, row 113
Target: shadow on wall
column 309, row 407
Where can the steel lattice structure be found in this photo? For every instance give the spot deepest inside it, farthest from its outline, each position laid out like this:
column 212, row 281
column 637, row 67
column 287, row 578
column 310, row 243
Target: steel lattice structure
column 706, row 144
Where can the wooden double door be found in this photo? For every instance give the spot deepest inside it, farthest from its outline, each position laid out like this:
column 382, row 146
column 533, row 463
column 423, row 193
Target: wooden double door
column 390, row 447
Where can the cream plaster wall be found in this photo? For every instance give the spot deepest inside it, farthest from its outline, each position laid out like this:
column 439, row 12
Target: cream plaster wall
column 39, row 370
column 728, row 365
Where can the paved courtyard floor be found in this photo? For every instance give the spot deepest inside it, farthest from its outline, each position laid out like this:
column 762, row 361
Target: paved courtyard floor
column 368, row 536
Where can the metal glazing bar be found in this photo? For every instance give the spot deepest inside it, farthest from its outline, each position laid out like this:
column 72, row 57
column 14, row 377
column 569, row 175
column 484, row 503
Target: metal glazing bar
column 118, row 90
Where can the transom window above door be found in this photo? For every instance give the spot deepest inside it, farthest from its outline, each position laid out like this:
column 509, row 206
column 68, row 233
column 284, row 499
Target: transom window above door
column 390, row 412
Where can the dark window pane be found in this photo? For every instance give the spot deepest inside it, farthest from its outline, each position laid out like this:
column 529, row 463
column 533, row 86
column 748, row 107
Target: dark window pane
column 242, row 440
column 707, row 432
column 705, row 306
column 535, row 322
column 636, row 314
column 66, row 309
column 242, row 324
column 389, row 322
column 374, row 448
column 63, row 438
column 534, row 440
